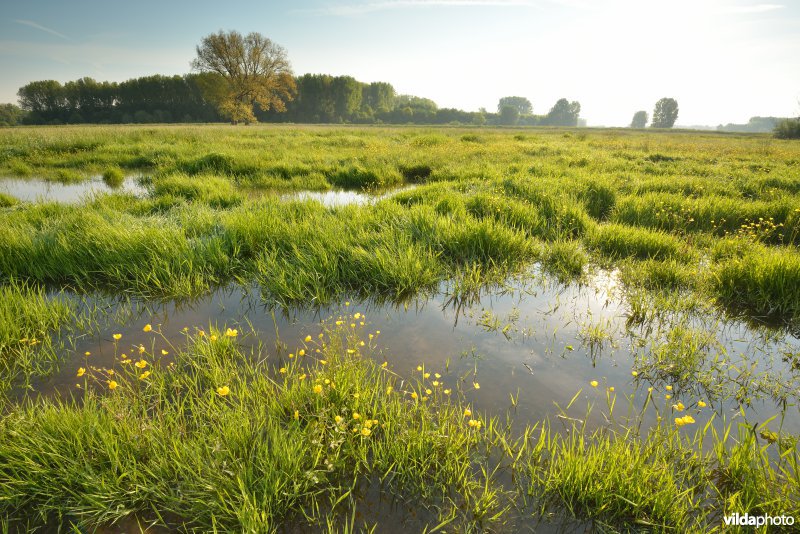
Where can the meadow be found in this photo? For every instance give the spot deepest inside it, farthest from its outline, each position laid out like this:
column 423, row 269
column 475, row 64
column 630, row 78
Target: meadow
column 217, row 425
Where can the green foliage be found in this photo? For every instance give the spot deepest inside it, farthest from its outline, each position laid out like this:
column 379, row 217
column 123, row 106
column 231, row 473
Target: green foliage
column 639, row 119
column 788, row 129
column 665, row 113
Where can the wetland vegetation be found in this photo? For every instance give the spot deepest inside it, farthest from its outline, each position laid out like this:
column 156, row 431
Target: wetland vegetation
column 665, row 398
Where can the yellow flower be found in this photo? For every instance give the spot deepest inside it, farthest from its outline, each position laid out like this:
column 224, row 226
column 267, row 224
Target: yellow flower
column 117, row 337
column 634, row 373
column 201, row 333
column 352, row 325
column 307, row 339
column 426, row 375
column 339, row 323
column 126, row 360
column 317, row 389
column 474, row 423
column 141, row 364
column 144, row 375
column 213, row 337
column 650, row 389
column 291, row 355
column 327, row 381
column 701, row 404
column 112, row 385
column 360, row 343
column 419, row 368
column 301, row 352
column 296, row 415
column 688, row 419
column 357, row 316
column 377, row 332
column 141, row 349
column 351, row 351
column 428, row 391
column 338, row 419
column 389, row 389
column 163, row 352
column 668, row 388
column 476, row 385
column 366, row 431
column 679, row 421
column 231, row 332
column 593, row 383
column 447, row 392
column 110, row 372
column 147, row 327
column 282, row 370
column 467, row 412
column 435, row 383
column 87, row 353
column 384, row 364
column 414, row 395
column 668, row 397
column 223, row 390
column 347, row 303
column 437, row 375
column 81, row 371
column 302, row 377
column 611, row 389
column 679, row 407
column 356, row 415
column 323, row 362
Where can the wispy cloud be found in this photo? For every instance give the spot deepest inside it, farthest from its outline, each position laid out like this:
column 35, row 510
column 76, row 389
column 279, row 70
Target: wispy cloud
column 370, row 7
column 33, row 24
column 756, row 8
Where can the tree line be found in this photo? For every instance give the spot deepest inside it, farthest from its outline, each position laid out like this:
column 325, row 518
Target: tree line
column 318, row 98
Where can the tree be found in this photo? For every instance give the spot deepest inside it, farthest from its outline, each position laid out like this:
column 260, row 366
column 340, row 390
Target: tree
column 665, row 113
column 563, row 113
column 639, row 119
column 10, row 115
column 509, row 115
column 522, row 104
column 253, row 71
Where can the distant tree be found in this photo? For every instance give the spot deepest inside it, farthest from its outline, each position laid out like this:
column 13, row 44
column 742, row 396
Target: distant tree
column 788, row 129
column 563, row 113
column 665, row 113
column 255, row 71
column 44, row 99
column 509, row 115
column 522, row 104
column 10, row 115
column 639, row 119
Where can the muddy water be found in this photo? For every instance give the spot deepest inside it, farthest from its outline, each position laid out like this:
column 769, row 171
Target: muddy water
column 34, row 189
column 523, row 341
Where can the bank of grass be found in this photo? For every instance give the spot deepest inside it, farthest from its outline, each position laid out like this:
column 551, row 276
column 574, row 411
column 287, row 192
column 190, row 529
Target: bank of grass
column 223, row 440
column 679, row 206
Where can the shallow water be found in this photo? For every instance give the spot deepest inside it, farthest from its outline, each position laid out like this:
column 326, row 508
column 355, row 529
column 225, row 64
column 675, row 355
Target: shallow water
column 39, row 190
column 523, row 341
column 343, row 197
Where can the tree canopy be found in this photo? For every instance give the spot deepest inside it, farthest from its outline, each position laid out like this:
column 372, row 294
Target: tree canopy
column 250, row 71
column 522, row 104
column 563, row 113
column 665, row 113
column 639, row 119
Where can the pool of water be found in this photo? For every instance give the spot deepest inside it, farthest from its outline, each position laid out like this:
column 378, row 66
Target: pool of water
column 40, row 190
column 343, row 197
column 526, row 345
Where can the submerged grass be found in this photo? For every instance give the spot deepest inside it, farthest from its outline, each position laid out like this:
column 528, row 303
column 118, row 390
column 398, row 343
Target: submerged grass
column 220, row 439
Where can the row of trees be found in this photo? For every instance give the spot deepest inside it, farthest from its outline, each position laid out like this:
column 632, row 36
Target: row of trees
column 518, row 110
column 664, row 115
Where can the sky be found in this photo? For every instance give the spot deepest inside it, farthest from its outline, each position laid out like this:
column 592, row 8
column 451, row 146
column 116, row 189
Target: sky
column 722, row 60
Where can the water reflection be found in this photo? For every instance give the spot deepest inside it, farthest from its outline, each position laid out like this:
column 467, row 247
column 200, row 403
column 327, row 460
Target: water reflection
column 36, row 190
column 528, row 340
column 341, row 197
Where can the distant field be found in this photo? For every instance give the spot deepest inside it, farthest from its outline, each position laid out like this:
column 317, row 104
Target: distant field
column 699, row 231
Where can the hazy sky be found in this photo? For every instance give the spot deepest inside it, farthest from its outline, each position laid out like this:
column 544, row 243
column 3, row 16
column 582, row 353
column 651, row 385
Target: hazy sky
column 723, row 60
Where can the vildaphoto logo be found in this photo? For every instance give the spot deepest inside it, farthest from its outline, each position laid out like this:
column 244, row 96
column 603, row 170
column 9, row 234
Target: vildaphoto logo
column 747, row 520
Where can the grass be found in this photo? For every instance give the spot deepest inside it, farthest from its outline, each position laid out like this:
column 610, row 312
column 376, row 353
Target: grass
column 695, row 226
column 219, row 438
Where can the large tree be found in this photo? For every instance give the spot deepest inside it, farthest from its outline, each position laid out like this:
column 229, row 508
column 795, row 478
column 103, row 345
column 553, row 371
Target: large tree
column 563, row 113
column 639, row 119
column 250, row 71
column 665, row 113
column 522, row 104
